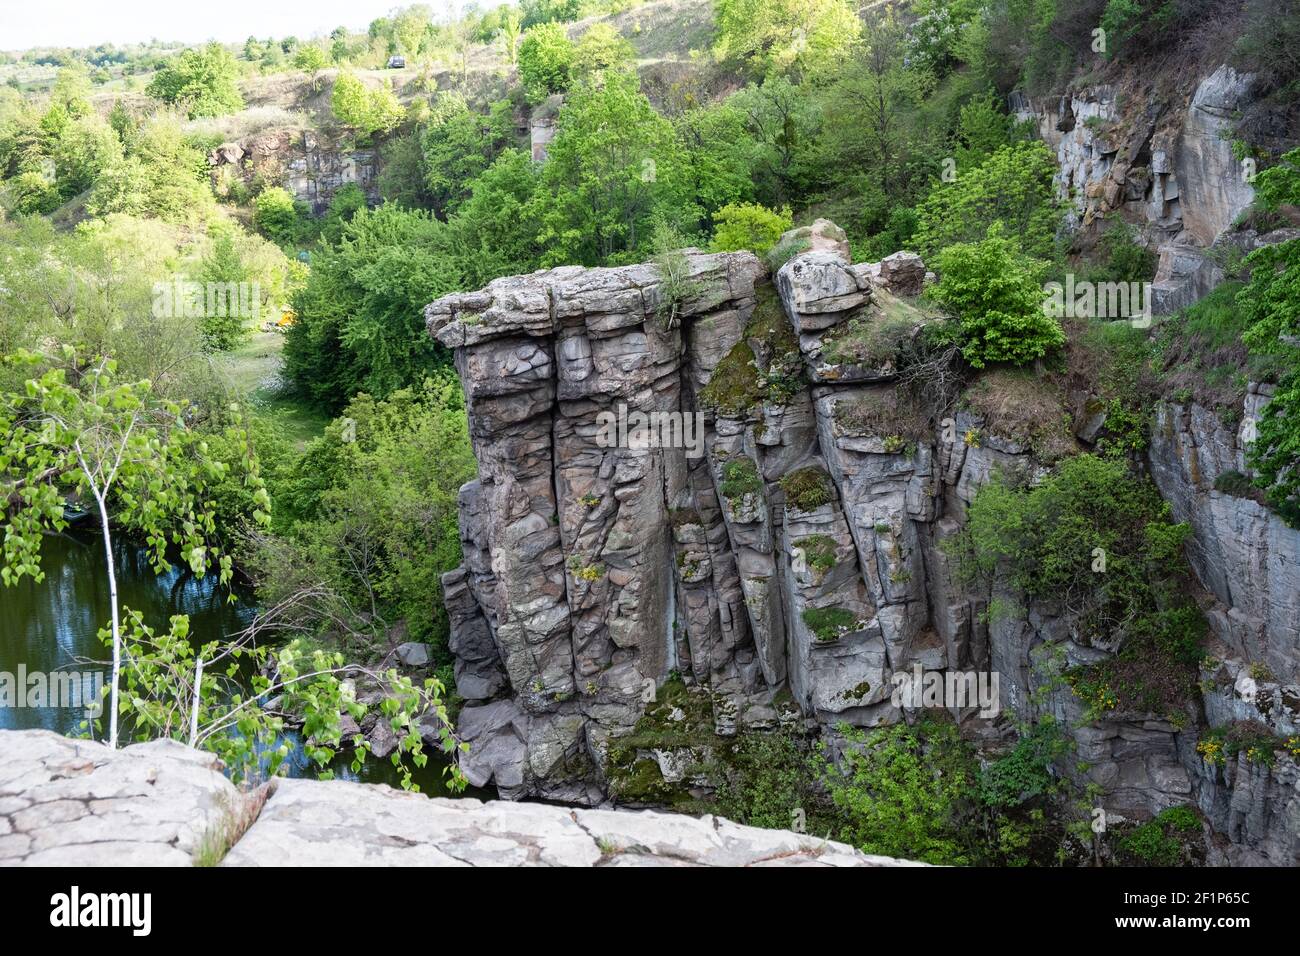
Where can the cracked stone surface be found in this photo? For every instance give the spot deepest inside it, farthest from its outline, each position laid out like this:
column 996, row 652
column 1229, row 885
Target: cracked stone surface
column 76, row 803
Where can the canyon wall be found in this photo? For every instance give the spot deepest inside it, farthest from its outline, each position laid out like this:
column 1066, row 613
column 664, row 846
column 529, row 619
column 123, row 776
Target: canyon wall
column 789, row 569
column 1164, row 166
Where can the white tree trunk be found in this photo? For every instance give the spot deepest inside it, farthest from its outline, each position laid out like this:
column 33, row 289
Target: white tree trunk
column 117, row 632
column 194, row 710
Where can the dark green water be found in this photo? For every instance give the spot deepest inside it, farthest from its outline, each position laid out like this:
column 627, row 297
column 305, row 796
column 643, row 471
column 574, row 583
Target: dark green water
column 50, row 626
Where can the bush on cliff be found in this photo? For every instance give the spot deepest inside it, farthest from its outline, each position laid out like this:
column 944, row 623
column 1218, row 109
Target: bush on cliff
column 994, row 292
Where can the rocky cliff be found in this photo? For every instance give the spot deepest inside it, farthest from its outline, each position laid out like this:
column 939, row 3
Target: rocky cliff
column 70, row 802
column 1164, row 164
column 789, row 569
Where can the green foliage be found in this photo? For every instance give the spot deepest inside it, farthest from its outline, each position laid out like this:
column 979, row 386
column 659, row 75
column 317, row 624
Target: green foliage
column 76, row 428
column 368, row 512
column 458, row 144
column 900, row 790
column 360, row 319
column 1268, row 306
column 996, row 295
column 365, row 110
column 601, row 48
column 546, row 59
column 220, row 715
column 494, row 233
column 749, row 226
column 1013, row 187
column 203, row 82
column 819, row 551
column 1162, row 841
column 279, row 216
column 739, row 478
column 401, row 173
column 1026, row 772
column 777, row 36
column 1100, row 543
column 613, row 171
column 161, row 175
column 770, row 779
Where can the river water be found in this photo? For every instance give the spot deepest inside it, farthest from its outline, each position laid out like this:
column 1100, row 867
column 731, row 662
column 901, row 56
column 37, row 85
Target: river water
column 52, row 625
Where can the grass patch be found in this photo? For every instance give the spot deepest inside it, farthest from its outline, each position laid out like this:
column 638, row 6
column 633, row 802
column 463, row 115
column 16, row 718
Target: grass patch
column 829, row 623
column 1027, row 408
column 889, row 412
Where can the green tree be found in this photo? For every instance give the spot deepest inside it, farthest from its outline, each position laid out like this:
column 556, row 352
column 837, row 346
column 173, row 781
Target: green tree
column 458, row 144
column 365, row 110
column 780, row 36
column 203, row 82
column 611, row 169
column 311, row 59
column 360, row 314
column 1012, row 187
column 494, row 233
column 76, row 427
column 996, row 295
column 545, row 61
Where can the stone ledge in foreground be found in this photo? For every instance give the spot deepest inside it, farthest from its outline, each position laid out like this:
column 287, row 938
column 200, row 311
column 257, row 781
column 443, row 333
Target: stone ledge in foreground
column 77, row 803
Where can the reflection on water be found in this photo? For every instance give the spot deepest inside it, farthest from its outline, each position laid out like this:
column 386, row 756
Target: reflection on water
column 55, row 624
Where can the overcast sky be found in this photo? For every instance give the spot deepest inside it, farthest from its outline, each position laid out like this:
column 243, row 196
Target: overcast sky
column 81, row 23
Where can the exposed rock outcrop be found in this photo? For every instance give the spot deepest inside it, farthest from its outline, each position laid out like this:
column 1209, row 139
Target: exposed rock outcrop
column 1169, row 168
column 305, row 162
column 67, row 802
column 790, row 569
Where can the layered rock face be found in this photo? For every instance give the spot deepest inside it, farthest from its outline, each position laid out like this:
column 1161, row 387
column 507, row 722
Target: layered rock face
column 786, row 561
column 790, row 563
column 307, row 164
column 1167, row 168
column 70, row 802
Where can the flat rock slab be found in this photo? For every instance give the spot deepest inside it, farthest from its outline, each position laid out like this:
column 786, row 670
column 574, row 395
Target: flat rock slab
column 320, row 823
column 77, row 803
column 66, row 802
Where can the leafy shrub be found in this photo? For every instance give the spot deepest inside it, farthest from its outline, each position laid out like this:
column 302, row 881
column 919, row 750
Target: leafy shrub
column 996, row 295
column 900, row 791
column 1163, row 840
column 739, row 478
column 741, row 226
column 279, row 216
column 1096, row 540
column 545, row 61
